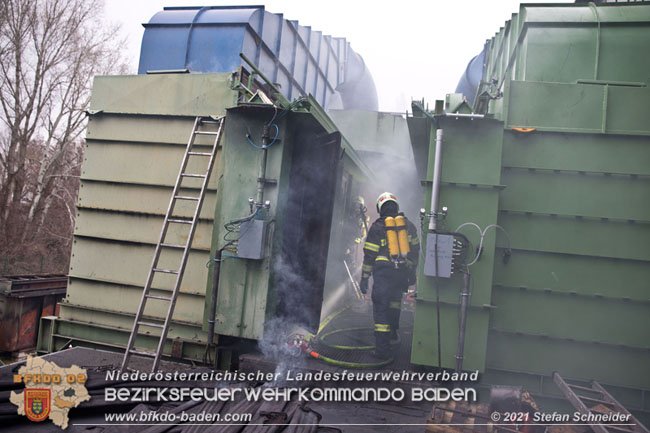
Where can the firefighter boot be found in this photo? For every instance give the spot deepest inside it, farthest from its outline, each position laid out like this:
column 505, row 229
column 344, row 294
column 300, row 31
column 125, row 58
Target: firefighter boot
column 382, row 345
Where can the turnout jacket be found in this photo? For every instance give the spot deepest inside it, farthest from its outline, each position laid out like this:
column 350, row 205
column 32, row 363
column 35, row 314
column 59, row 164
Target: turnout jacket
column 375, row 250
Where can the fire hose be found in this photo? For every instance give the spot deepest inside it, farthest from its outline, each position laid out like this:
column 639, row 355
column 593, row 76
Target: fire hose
column 305, row 344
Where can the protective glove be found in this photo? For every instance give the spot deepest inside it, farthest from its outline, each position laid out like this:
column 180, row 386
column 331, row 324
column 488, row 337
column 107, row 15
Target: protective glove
column 363, row 285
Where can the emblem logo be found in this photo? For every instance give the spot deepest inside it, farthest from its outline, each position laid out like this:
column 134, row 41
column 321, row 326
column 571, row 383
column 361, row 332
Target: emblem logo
column 37, row 404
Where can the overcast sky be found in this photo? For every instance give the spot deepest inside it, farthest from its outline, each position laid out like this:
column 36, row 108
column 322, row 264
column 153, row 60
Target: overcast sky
column 414, row 49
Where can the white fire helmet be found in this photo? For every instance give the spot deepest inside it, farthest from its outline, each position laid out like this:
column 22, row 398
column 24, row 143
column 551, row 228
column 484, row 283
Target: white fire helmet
column 385, row 198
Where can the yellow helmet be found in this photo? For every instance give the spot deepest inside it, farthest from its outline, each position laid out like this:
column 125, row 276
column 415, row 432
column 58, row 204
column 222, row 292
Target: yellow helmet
column 385, row 198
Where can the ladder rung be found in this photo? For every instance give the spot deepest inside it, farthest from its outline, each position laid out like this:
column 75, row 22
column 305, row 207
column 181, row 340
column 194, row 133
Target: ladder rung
column 153, row 325
column 160, row 298
column 172, row 246
column 595, row 400
column 617, row 428
column 584, row 388
column 169, row 219
column 165, row 271
column 142, row 353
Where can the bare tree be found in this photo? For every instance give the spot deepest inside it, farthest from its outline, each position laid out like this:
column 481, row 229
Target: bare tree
column 49, row 52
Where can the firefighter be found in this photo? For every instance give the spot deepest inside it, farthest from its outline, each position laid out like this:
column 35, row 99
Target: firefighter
column 391, row 255
column 363, row 220
column 357, row 225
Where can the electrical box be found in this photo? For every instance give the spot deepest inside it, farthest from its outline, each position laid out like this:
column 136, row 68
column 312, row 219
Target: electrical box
column 437, row 262
column 252, row 235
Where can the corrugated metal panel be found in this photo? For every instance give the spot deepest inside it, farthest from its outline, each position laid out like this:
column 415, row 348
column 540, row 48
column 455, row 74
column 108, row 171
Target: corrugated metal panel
column 573, row 297
column 135, row 142
column 580, row 255
column 134, row 150
column 167, row 94
column 565, row 43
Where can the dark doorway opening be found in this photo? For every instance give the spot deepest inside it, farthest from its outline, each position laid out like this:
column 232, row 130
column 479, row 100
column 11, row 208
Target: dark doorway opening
column 307, row 224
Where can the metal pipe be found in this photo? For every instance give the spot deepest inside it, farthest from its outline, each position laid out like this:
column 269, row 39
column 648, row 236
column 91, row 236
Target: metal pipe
column 462, row 321
column 261, row 178
column 465, row 115
column 213, row 297
column 435, row 189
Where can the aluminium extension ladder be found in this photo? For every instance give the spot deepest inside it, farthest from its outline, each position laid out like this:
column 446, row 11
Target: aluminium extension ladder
column 162, row 246
column 598, row 395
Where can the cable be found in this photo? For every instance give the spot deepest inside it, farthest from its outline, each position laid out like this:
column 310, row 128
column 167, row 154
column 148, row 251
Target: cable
column 497, row 226
column 277, row 133
column 253, row 144
column 483, row 232
column 234, row 225
column 276, row 116
column 470, row 224
column 275, row 113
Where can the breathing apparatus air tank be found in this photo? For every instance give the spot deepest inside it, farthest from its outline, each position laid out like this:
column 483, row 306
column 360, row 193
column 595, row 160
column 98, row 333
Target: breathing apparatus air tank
column 402, row 236
column 391, row 236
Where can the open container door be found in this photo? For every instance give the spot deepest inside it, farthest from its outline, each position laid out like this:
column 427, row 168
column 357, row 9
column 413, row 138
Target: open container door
column 309, row 210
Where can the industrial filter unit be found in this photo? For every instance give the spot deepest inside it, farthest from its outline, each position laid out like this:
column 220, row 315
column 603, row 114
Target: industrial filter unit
column 135, row 142
column 549, row 172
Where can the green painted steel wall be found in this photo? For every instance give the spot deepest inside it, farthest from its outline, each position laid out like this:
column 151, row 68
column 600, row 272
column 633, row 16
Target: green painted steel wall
column 371, row 131
column 137, row 133
column 567, row 42
column 577, row 283
column 245, row 297
column 574, row 296
column 470, row 185
column 136, row 138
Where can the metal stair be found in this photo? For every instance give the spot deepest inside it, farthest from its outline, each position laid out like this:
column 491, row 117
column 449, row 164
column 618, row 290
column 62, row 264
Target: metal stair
column 162, row 246
column 598, row 395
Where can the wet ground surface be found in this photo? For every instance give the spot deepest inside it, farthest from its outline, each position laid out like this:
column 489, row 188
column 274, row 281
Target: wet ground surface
column 350, row 416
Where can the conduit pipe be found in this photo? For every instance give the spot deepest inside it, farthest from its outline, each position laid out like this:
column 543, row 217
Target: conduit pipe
column 213, row 297
column 435, row 189
column 261, row 178
column 462, row 321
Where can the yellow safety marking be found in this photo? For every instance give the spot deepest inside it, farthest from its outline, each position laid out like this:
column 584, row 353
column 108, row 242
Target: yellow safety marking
column 380, row 327
column 371, row 247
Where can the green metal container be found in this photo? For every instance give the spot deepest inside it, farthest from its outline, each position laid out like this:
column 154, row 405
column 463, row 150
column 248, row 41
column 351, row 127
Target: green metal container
column 137, row 133
column 561, row 161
